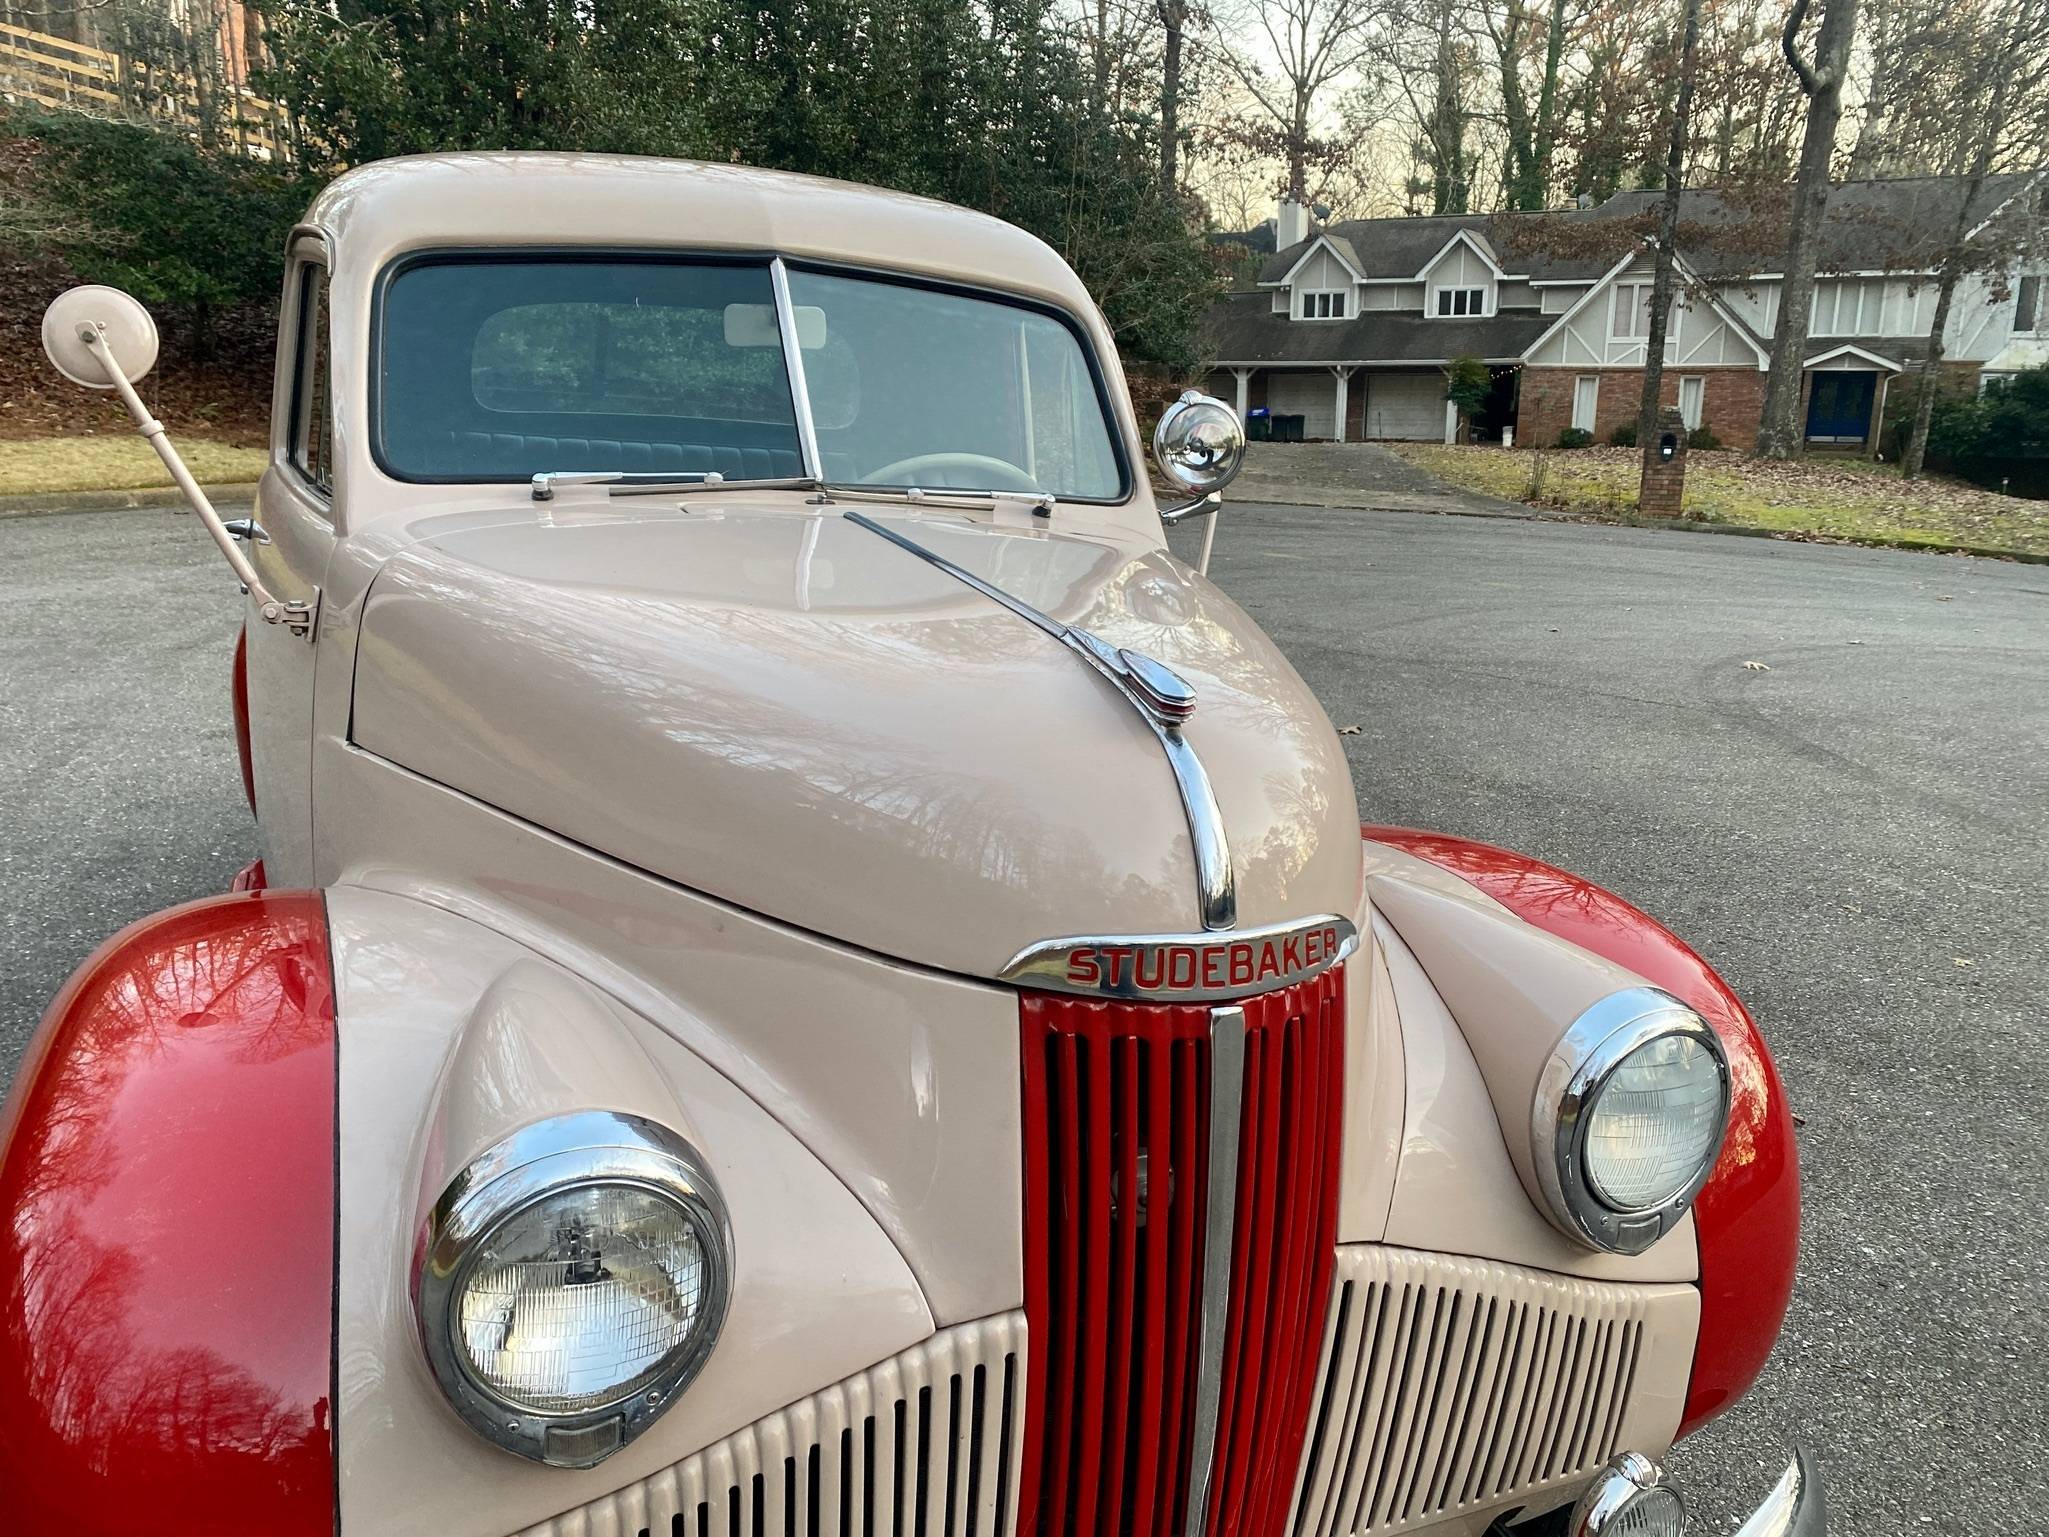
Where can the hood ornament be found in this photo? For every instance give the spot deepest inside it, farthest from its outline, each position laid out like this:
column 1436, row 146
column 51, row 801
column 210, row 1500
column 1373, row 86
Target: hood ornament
column 1162, row 697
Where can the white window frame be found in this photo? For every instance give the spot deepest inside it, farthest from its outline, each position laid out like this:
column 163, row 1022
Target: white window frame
column 1323, row 304
column 2037, row 285
column 1639, row 291
column 1590, row 384
column 1445, row 301
column 1696, row 386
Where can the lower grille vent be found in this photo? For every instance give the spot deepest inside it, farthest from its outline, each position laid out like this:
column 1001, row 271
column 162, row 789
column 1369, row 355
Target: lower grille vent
column 923, row 1445
column 1452, row 1384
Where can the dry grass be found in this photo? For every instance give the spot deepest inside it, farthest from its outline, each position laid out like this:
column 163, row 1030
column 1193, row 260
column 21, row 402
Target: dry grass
column 112, row 463
column 1821, row 498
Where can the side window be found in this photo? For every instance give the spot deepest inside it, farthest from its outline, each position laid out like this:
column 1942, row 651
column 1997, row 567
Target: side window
column 312, row 416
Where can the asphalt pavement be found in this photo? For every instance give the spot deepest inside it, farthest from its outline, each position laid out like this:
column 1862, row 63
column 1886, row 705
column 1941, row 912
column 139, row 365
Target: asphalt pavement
column 1852, row 831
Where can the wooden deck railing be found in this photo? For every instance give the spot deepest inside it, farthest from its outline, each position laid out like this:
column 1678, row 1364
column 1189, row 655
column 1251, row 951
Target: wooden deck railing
column 56, row 72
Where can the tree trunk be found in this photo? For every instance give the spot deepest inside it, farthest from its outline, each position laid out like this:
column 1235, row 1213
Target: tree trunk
column 1928, row 384
column 1173, row 17
column 1298, row 150
column 1871, row 154
column 1547, row 110
column 1102, row 57
column 1668, row 238
column 1779, row 433
column 1450, row 191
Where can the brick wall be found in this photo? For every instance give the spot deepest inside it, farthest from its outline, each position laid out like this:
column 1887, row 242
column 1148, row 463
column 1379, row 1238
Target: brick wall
column 1731, row 403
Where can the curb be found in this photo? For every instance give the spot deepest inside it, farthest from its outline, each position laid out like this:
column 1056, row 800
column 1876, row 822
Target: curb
column 1328, row 499
column 36, row 504
column 1799, row 536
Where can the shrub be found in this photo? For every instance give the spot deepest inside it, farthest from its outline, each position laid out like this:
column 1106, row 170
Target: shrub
column 1467, row 386
column 196, row 231
column 1703, row 437
column 1998, row 438
column 1575, row 437
column 1624, row 436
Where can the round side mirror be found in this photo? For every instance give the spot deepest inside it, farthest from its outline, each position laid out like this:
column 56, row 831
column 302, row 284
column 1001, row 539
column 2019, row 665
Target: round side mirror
column 129, row 335
column 1200, row 443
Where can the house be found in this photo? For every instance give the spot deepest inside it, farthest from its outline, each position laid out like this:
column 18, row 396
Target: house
column 1351, row 325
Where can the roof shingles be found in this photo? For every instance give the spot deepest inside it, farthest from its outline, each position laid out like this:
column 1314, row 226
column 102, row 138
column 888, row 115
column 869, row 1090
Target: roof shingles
column 1245, row 330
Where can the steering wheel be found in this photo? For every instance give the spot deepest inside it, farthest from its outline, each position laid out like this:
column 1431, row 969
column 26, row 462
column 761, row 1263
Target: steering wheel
column 995, row 474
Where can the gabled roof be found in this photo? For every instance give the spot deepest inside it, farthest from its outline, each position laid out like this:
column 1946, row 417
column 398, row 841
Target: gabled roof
column 1852, row 350
column 1337, row 245
column 1895, row 225
column 1474, row 241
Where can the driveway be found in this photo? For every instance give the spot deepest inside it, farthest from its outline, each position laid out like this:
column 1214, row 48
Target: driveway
column 1853, row 833
column 1358, row 475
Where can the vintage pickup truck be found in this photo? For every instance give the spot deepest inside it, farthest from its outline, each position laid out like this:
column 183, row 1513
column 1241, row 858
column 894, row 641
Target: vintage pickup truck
column 807, row 977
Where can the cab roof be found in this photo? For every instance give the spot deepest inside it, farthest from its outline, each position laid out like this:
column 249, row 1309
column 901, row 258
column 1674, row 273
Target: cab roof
column 381, row 210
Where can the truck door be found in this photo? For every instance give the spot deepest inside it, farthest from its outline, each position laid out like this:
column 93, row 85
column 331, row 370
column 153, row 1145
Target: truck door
column 289, row 546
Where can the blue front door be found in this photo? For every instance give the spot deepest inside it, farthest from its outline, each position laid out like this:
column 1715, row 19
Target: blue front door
column 1839, row 406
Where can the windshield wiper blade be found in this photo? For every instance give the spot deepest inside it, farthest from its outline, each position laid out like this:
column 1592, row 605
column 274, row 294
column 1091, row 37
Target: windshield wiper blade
column 644, row 482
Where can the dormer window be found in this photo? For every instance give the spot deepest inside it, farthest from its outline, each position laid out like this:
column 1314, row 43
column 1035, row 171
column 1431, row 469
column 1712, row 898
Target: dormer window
column 1461, row 301
column 1323, row 304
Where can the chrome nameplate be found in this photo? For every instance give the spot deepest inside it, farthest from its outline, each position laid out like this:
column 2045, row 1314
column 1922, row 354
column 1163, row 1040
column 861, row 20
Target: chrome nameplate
column 1185, row 968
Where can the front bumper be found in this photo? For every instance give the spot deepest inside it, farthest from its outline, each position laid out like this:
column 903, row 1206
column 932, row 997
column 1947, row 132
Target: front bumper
column 1797, row 1505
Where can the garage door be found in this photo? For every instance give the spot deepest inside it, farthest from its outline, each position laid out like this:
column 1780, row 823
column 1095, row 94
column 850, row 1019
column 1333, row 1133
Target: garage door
column 1405, row 405
column 1313, row 397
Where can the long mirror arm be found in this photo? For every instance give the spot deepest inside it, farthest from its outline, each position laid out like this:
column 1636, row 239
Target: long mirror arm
column 1208, row 505
column 274, row 610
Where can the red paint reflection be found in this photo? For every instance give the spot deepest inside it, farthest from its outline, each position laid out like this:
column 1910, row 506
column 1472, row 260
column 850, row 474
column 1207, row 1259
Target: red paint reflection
column 166, row 1233
column 1748, row 1215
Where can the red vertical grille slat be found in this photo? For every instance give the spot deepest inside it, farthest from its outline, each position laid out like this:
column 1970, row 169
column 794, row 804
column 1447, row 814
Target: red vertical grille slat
column 1116, row 1099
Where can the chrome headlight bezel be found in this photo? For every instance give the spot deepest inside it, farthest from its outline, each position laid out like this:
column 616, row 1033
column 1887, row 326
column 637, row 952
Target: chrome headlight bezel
column 581, row 1151
column 1580, row 1067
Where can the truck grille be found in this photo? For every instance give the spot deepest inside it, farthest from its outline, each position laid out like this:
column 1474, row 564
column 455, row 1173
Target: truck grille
column 1452, row 1384
column 923, row 1445
column 1116, row 1181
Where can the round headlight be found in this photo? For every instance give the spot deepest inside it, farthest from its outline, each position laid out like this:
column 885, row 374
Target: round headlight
column 571, row 1282
column 1629, row 1119
column 1654, row 1122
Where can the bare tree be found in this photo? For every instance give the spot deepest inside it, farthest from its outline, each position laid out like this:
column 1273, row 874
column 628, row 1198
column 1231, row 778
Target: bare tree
column 1430, row 62
column 1666, row 265
column 1779, row 434
column 1314, row 46
column 1525, row 36
column 1999, row 52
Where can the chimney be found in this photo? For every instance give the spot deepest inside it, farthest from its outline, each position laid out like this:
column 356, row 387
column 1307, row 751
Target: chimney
column 1291, row 225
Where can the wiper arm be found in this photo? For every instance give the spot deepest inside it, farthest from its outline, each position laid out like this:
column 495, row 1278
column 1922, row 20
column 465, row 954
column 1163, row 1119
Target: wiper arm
column 645, row 482
column 1041, row 502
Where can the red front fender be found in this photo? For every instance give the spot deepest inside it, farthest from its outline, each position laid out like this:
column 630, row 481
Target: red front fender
column 1747, row 1217
column 167, row 1255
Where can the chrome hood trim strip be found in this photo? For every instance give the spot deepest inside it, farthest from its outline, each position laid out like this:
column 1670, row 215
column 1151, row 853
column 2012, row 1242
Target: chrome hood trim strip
column 1226, row 1113
column 1163, row 700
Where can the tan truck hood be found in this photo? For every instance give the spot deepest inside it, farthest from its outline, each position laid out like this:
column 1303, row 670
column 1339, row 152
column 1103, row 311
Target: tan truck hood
column 788, row 712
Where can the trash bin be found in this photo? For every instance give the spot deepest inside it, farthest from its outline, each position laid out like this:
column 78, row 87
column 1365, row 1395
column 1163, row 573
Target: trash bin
column 1259, row 425
column 1288, row 429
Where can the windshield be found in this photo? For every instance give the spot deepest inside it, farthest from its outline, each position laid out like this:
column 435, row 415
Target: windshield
column 492, row 368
